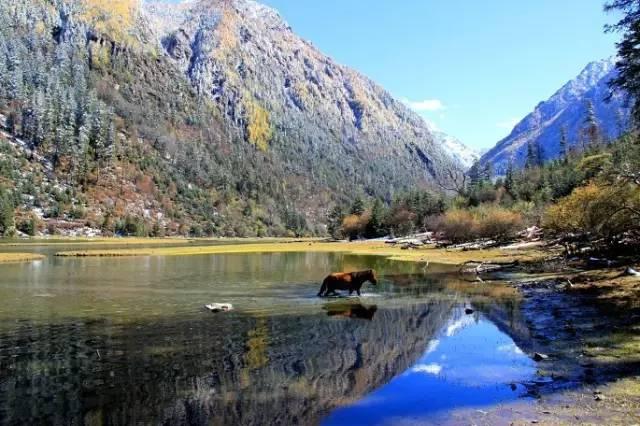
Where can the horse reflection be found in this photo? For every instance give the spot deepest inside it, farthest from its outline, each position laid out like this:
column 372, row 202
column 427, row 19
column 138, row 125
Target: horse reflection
column 351, row 310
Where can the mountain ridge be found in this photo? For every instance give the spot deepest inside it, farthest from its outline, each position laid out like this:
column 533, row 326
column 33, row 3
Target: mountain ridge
column 565, row 108
column 218, row 121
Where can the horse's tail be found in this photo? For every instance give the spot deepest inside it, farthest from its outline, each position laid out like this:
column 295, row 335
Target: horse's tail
column 323, row 288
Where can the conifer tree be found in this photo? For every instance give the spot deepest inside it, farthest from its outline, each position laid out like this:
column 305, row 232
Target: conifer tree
column 531, row 156
column 357, row 207
column 628, row 78
column 590, row 130
column 509, row 177
column 564, row 143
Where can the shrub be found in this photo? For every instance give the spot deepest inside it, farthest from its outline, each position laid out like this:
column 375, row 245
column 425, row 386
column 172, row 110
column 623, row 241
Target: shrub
column 598, row 211
column 458, row 226
column 497, row 223
column 354, row 226
column 29, row 225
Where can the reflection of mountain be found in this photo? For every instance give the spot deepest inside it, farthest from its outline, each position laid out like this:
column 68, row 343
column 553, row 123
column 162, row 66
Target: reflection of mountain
column 230, row 369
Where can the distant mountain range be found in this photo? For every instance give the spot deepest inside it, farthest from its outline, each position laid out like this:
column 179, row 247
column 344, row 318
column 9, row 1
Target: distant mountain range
column 566, row 108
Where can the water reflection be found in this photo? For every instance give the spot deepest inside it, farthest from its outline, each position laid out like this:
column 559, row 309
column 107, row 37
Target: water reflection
column 121, row 341
column 469, row 363
column 354, row 310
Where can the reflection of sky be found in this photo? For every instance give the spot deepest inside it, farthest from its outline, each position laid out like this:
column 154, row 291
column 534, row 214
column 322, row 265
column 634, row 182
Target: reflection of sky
column 471, row 363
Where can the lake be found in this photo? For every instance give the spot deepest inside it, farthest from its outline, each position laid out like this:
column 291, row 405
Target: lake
column 126, row 340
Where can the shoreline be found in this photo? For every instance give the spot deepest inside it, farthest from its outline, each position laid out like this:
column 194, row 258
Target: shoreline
column 375, row 248
column 586, row 326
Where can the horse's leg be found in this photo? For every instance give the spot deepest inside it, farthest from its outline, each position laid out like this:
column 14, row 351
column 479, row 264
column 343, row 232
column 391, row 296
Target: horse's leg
column 358, row 292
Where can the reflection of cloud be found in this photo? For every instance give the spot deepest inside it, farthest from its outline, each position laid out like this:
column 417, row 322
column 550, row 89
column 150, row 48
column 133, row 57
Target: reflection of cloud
column 511, row 349
column 432, row 346
column 459, row 325
column 434, row 369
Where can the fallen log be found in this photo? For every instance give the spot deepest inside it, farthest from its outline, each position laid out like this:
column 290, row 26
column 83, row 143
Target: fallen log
column 483, row 267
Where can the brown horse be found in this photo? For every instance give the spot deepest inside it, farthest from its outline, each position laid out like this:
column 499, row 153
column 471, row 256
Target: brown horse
column 351, row 281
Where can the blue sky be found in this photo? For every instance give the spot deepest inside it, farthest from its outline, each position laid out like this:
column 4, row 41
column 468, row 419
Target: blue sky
column 471, row 67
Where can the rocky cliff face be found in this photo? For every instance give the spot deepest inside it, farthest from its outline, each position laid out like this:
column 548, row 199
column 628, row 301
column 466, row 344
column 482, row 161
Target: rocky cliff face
column 203, row 117
column 566, row 108
column 284, row 95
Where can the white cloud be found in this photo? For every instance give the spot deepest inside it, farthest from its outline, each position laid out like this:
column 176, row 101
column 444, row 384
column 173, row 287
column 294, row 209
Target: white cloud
column 425, row 105
column 508, row 124
column 434, row 369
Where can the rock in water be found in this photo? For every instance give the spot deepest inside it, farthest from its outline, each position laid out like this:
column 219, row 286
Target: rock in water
column 219, row 307
column 468, row 311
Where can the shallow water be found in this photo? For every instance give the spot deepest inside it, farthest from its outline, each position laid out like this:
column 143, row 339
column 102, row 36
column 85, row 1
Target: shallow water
column 126, row 340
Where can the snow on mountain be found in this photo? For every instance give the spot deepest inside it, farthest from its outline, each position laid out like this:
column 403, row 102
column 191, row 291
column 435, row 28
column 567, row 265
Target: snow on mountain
column 566, row 108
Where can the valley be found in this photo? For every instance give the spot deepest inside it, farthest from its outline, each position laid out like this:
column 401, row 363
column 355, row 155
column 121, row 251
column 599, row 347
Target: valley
column 161, row 158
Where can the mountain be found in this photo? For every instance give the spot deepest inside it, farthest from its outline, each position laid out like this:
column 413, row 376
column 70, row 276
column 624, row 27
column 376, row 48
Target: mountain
column 567, row 108
column 464, row 155
column 207, row 116
column 244, row 56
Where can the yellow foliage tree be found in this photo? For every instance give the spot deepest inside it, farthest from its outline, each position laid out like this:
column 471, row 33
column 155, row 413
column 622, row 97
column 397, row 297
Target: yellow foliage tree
column 114, row 18
column 354, row 225
column 259, row 127
column 602, row 211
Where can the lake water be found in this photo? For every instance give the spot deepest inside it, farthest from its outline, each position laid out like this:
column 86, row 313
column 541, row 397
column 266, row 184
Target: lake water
column 127, row 341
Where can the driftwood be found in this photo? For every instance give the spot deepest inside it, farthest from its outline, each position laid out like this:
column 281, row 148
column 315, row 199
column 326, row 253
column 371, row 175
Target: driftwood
column 630, row 272
column 483, row 267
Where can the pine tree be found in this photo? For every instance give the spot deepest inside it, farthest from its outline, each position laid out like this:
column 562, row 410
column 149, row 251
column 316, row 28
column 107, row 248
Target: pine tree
column 590, row 130
column 531, row 156
column 487, row 173
column 509, row 178
column 628, row 79
column 539, row 154
column 7, row 219
column 475, row 177
column 357, row 207
column 564, row 143
column 334, row 221
column 375, row 227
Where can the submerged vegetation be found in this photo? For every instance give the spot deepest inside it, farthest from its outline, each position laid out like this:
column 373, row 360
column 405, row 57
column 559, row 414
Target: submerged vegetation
column 19, row 257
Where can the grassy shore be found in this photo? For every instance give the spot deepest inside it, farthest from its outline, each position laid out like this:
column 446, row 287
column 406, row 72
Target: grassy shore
column 133, row 241
column 426, row 254
column 19, row 257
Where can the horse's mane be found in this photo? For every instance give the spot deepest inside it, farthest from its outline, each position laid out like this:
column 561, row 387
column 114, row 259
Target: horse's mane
column 361, row 274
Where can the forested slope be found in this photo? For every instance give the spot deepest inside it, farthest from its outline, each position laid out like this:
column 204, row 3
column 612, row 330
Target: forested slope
column 142, row 122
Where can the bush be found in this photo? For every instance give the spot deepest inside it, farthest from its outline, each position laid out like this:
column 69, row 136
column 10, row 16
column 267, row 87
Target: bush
column 498, row 223
column 29, row 226
column 458, row 226
column 597, row 211
column 354, row 226
column 495, row 223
